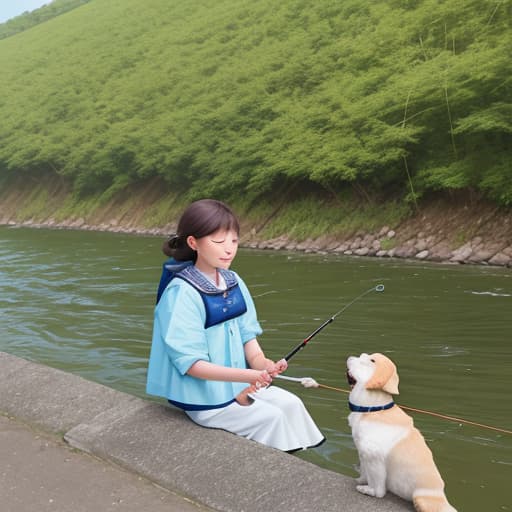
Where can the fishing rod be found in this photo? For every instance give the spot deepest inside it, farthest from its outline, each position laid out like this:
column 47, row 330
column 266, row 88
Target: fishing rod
column 305, row 341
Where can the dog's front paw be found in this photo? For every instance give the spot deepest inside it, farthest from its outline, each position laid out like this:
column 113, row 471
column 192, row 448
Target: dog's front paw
column 366, row 489
column 370, row 491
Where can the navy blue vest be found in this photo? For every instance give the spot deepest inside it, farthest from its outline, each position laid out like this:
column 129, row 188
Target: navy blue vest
column 220, row 305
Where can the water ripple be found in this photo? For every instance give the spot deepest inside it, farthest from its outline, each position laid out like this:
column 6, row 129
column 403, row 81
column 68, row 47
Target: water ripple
column 83, row 302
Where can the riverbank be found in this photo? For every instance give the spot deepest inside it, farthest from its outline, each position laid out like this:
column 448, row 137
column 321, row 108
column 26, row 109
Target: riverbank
column 443, row 229
column 208, row 467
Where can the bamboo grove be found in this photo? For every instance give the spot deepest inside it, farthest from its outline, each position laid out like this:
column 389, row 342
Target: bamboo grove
column 243, row 98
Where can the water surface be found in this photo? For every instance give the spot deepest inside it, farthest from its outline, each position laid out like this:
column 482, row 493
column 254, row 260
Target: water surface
column 83, row 302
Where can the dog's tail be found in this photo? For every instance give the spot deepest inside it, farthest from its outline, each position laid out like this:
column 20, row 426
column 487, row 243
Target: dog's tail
column 431, row 500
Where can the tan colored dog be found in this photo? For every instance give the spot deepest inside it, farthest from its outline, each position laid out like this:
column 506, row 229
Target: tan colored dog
column 393, row 454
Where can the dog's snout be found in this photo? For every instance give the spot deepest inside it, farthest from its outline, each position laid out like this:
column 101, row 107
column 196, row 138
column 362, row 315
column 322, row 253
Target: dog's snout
column 351, row 380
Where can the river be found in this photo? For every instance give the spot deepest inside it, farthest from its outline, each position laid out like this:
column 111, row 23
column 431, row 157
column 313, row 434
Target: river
column 82, row 301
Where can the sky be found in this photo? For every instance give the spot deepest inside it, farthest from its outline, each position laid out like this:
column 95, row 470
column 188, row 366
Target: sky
column 11, row 8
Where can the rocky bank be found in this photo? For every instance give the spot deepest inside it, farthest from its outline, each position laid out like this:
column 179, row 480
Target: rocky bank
column 440, row 231
column 448, row 228
column 452, row 237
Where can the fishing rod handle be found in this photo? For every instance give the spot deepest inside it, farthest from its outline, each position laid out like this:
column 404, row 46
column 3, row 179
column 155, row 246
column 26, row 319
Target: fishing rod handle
column 304, row 343
column 378, row 288
column 288, row 356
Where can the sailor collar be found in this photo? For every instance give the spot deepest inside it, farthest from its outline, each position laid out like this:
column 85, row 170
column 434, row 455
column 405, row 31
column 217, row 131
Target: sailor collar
column 197, row 279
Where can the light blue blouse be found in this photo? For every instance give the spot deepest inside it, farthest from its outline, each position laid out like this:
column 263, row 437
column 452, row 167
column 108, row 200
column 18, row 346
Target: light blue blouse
column 180, row 339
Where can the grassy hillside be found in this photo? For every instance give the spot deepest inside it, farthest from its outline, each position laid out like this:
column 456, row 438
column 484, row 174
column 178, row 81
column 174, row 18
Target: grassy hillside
column 245, row 99
column 44, row 13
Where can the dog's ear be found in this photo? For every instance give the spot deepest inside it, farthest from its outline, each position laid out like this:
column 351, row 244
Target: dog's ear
column 385, row 376
column 391, row 385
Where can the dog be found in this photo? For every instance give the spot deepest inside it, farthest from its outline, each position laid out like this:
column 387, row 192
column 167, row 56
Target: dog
column 393, row 455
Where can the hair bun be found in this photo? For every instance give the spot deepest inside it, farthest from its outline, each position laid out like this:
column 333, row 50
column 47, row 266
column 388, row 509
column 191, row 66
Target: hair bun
column 174, row 241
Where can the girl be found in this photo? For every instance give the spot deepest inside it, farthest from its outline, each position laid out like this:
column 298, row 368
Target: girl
column 205, row 358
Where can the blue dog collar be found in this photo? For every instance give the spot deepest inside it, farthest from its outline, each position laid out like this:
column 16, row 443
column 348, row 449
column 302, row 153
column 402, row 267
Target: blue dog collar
column 361, row 408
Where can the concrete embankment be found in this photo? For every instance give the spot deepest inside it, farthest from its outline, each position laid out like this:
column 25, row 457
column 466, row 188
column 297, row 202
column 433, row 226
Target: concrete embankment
column 40, row 472
column 210, row 467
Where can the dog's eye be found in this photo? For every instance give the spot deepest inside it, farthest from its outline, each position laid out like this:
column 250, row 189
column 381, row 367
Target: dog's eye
column 372, row 360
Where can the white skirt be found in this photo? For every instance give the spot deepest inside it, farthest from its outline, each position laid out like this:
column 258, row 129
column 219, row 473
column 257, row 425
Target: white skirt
column 276, row 418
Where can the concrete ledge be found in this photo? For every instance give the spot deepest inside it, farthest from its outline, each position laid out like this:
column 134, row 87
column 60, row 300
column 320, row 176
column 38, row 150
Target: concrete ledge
column 216, row 468
column 52, row 399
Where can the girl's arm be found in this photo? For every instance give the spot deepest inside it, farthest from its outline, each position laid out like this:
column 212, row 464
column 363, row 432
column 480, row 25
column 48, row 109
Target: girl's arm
column 256, row 359
column 209, row 371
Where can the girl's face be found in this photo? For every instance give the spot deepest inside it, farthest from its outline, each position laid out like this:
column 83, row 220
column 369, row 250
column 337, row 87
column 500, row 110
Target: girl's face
column 216, row 250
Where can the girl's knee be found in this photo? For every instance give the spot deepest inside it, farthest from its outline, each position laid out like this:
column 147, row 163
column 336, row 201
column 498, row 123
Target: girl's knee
column 292, row 403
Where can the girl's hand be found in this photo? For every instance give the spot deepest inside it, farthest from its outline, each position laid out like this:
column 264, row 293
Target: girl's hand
column 243, row 397
column 277, row 368
column 261, row 379
column 282, row 365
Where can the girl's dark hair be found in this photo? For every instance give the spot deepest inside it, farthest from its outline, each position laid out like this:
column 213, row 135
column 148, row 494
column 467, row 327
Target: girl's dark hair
column 201, row 218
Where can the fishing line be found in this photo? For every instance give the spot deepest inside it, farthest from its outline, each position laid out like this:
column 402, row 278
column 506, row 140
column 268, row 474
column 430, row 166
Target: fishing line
column 305, row 341
column 308, row 382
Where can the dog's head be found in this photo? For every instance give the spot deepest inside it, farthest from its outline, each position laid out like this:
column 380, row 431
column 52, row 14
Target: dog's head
column 375, row 371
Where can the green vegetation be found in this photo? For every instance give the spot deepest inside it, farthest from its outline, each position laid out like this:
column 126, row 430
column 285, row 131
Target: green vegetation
column 387, row 244
column 312, row 217
column 29, row 19
column 37, row 202
column 242, row 99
